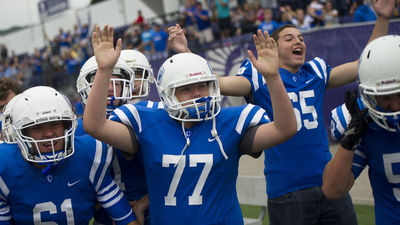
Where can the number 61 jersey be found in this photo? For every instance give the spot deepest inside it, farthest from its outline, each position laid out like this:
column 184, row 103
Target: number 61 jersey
column 66, row 194
column 195, row 185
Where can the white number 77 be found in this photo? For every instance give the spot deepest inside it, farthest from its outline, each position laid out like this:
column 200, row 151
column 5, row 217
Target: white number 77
column 194, row 159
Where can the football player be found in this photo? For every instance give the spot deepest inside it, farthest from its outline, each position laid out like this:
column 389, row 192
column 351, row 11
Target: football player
column 190, row 149
column 130, row 82
column 293, row 170
column 8, row 89
column 372, row 137
column 51, row 176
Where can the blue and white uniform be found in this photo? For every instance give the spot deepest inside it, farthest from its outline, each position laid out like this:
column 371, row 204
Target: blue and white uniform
column 66, row 194
column 380, row 150
column 287, row 166
column 127, row 172
column 198, row 185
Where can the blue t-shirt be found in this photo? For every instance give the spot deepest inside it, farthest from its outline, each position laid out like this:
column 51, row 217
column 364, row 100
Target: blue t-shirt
column 299, row 162
column 202, row 24
column 363, row 14
column 160, row 40
column 65, row 195
column 268, row 26
column 196, row 186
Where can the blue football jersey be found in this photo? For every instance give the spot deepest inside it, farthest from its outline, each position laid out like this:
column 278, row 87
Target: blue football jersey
column 65, row 195
column 127, row 172
column 299, row 162
column 340, row 118
column 380, row 150
column 196, row 186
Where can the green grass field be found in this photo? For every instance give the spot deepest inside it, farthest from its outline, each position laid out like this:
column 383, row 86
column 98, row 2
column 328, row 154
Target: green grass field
column 365, row 213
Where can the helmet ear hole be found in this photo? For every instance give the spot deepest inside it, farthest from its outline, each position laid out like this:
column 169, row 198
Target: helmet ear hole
column 378, row 76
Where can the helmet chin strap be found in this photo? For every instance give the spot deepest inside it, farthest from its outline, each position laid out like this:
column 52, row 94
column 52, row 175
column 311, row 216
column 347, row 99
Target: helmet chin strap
column 214, row 133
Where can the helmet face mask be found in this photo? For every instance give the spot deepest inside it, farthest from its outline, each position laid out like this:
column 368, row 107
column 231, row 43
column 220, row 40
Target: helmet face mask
column 188, row 69
column 39, row 107
column 122, row 76
column 143, row 74
column 378, row 76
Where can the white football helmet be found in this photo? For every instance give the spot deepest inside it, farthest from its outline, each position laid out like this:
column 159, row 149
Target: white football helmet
column 6, row 130
column 143, row 73
column 378, row 74
column 40, row 105
column 86, row 77
column 185, row 69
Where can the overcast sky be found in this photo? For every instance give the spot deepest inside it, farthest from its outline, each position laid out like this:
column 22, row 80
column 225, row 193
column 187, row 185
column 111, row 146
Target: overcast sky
column 25, row 12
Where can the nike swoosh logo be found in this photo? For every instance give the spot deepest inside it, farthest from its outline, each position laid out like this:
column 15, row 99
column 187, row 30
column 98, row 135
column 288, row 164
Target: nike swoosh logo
column 211, row 139
column 309, row 80
column 72, row 184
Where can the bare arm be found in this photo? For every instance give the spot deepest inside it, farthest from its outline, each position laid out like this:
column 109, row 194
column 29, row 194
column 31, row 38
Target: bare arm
column 284, row 125
column 338, row 177
column 94, row 118
column 347, row 73
column 139, row 207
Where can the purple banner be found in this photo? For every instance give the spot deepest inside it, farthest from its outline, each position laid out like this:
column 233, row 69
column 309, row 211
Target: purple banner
column 336, row 46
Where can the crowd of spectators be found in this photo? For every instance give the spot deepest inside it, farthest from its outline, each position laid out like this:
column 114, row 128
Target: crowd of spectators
column 57, row 64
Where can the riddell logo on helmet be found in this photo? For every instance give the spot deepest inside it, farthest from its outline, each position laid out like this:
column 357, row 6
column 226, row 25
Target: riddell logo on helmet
column 386, row 82
column 195, row 74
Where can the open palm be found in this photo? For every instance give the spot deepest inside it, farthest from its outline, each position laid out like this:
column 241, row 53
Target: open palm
column 103, row 47
column 267, row 52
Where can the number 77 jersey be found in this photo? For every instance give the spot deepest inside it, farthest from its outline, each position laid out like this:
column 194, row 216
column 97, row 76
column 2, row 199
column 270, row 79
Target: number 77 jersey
column 196, row 186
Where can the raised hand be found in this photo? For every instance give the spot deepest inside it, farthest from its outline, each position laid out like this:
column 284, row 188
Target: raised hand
column 177, row 40
column 384, row 8
column 358, row 124
column 103, row 47
column 268, row 60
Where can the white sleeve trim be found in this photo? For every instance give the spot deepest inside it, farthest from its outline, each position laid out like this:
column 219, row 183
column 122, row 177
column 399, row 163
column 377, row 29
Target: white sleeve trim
column 242, row 118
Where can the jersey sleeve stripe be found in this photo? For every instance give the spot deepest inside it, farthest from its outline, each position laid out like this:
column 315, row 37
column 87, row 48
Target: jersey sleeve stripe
column 3, row 187
column 361, row 154
column 254, row 77
column 338, row 123
column 115, row 199
column 346, row 114
column 111, row 192
column 122, row 218
column 4, row 211
column 109, row 158
column 96, row 161
column 107, row 188
column 5, row 218
column 135, row 114
column 323, row 67
column 242, row 118
column 257, row 117
column 123, row 118
column 356, row 165
column 315, row 68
